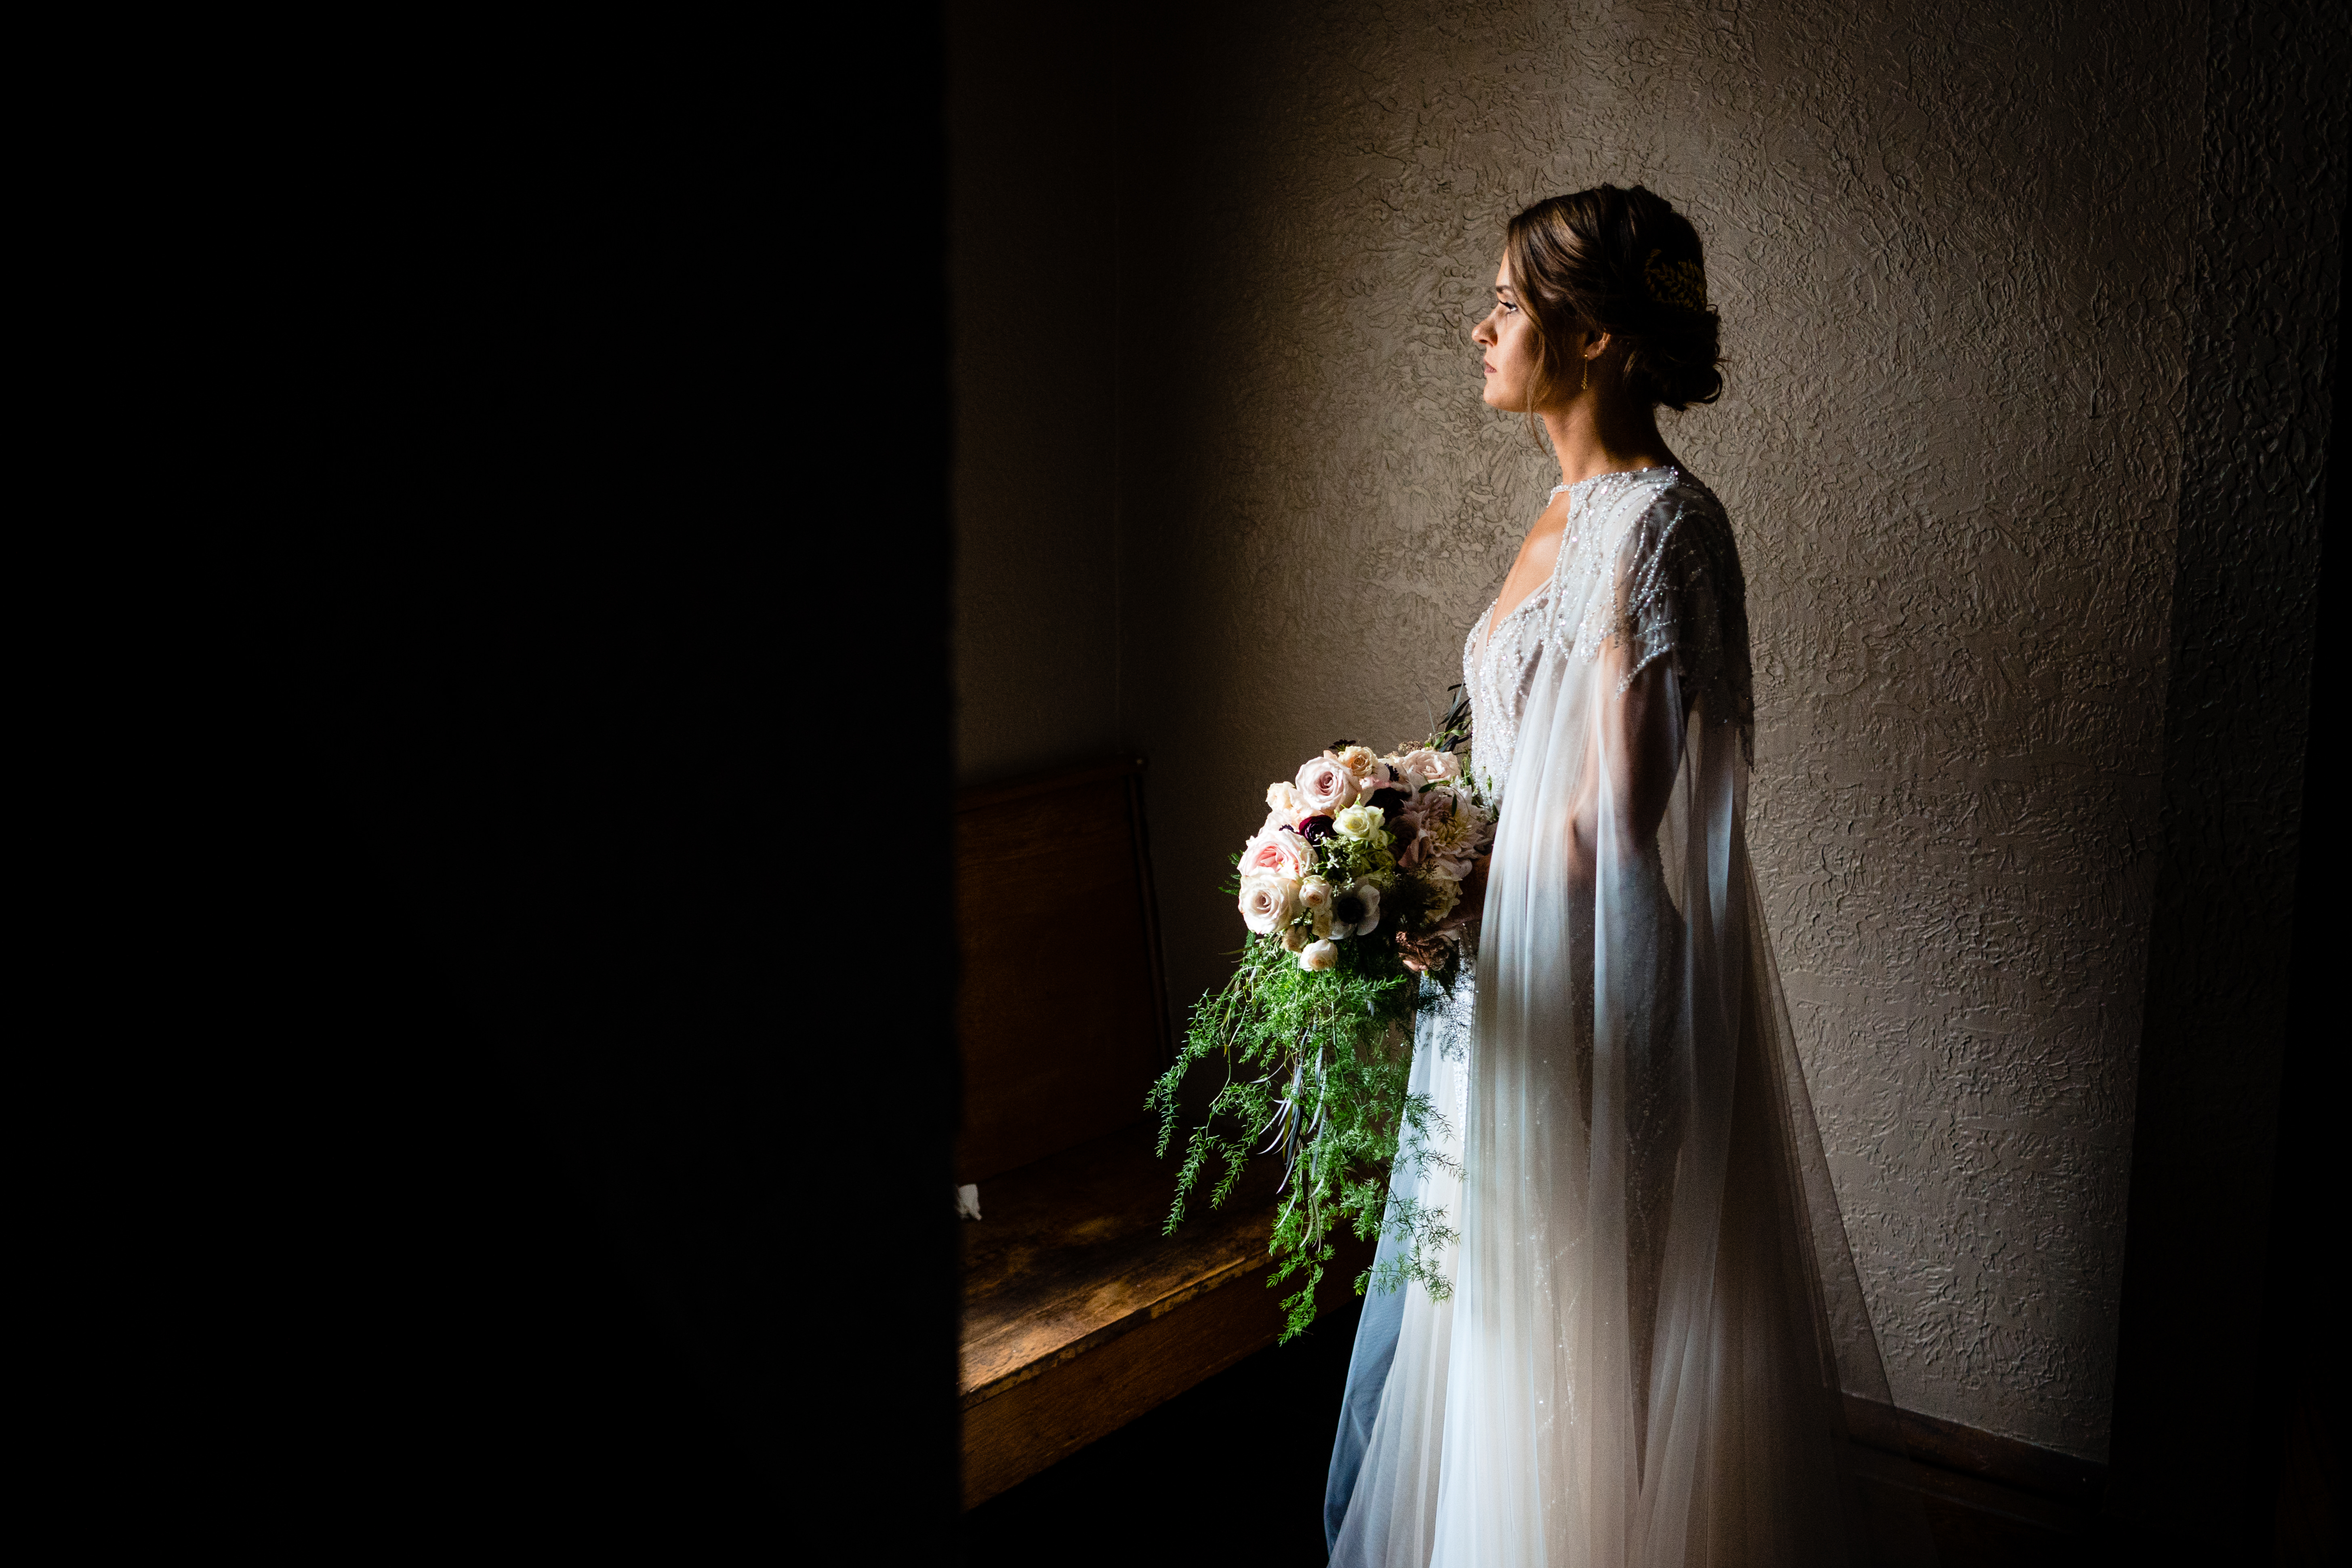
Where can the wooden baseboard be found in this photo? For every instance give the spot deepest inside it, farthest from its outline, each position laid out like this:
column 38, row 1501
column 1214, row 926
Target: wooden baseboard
column 1983, row 1456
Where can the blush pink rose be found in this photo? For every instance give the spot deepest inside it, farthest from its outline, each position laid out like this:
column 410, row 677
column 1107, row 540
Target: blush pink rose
column 1277, row 852
column 1423, row 767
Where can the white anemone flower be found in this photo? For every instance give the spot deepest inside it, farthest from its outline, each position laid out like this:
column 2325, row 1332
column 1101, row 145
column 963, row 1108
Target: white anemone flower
column 1357, row 911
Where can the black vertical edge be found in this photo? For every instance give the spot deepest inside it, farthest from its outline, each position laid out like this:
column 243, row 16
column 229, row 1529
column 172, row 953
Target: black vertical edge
column 2193, row 1431
column 2294, row 1488
column 865, row 184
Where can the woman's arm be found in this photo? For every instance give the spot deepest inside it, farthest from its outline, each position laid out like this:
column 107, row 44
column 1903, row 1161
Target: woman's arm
column 1638, row 733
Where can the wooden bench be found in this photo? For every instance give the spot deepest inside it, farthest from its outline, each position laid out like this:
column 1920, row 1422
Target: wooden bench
column 1079, row 1315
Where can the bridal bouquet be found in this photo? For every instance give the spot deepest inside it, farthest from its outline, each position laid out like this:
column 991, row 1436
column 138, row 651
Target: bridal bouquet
column 1315, row 1026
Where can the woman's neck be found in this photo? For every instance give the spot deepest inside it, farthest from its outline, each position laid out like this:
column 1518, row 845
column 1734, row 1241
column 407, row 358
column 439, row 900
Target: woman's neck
column 1593, row 437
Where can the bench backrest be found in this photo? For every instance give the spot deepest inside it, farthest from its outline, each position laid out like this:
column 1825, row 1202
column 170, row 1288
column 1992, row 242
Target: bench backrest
column 1063, row 1017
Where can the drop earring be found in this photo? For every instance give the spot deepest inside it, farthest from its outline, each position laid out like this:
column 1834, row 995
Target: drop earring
column 1586, row 384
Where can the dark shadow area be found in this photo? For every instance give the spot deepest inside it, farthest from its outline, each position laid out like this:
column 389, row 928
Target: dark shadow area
column 466, row 1354
column 2229, row 1194
column 2296, row 1477
column 549, row 1232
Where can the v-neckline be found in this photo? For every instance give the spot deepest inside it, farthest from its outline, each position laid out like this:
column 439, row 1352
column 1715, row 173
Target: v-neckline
column 1495, row 622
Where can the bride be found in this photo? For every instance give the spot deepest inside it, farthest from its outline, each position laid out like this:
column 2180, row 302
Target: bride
column 1652, row 1309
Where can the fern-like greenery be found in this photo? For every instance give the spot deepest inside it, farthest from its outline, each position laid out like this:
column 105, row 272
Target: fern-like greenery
column 1318, row 1066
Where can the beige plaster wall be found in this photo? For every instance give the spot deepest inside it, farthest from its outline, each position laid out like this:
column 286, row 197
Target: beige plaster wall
column 1949, row 249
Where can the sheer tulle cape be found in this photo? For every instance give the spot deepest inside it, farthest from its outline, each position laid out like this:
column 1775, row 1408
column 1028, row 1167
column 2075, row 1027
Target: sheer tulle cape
column 1654, row 1310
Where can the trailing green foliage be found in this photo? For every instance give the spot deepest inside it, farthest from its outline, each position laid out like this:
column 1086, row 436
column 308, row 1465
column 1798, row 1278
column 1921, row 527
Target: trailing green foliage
column 1318, row 1067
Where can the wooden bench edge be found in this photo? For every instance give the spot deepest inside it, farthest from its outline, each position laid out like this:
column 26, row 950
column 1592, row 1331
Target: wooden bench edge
column 1139, row 1317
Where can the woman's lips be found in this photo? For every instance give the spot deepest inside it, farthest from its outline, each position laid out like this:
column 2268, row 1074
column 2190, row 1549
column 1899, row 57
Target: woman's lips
column 1488, row 368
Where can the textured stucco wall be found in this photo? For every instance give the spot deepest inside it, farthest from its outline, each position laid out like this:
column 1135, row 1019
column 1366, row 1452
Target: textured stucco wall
column 1952, row 252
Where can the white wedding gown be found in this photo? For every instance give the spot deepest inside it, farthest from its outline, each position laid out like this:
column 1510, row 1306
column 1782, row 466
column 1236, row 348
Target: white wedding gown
column 1654, row 1309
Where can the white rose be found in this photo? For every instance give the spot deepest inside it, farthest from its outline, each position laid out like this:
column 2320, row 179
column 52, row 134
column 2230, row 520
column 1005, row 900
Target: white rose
column 1444, row 767
column 1319, row 955
column 1282, row 800
column 1268, row 903
column 1324, row 787
column 1358, row 821
column 1314, row 896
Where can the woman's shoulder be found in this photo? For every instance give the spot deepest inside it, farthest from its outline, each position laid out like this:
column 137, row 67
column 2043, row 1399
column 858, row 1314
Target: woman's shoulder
column 1679, row 491
column 1677, row 544
column 1680, row 593
column 1668, row 508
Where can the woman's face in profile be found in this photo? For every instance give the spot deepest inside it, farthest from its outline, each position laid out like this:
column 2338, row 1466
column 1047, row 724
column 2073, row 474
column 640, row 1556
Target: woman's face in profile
column 1508, row 339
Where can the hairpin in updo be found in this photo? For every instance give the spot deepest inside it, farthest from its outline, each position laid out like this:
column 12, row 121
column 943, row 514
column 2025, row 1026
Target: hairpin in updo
column 1678, row 283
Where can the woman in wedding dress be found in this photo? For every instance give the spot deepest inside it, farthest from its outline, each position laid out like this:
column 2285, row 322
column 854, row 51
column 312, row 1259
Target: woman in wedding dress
column 1653, row 1312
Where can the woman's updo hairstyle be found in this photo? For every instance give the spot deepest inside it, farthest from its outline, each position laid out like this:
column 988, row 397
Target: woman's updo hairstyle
column 1625, row 263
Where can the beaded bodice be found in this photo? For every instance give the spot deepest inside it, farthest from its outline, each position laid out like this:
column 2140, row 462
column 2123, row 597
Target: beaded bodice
column 1663, row 536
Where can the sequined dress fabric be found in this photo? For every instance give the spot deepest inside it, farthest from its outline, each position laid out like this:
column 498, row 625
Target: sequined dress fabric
column 1499, row 661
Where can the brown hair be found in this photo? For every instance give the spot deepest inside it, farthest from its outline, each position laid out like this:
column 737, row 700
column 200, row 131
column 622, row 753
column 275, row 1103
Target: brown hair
column 1625, row 263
